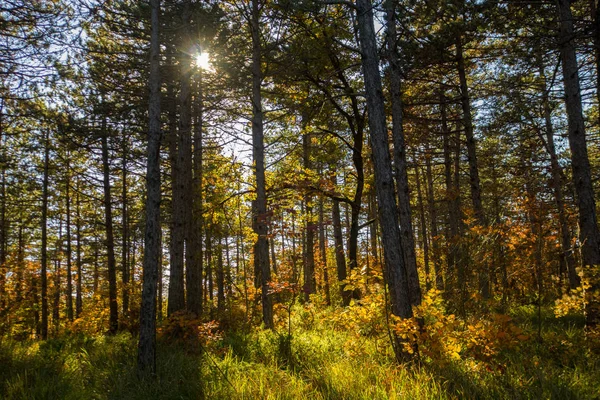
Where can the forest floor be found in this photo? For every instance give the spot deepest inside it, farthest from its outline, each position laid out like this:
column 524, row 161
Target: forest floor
column 326, row 358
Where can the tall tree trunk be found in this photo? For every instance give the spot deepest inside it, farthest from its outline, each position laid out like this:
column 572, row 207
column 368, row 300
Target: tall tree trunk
column 209, row 270
column 195, row 266
column 160, row 284
column 323, row 252
column 20, row 267
column 400, row 163
column 176, row 298
column 340, row 256
column 451, row 220
column 44, row 260
column 424, row 238
column 152, row 248
column 310, row 284
column 568, row 257
column 596, row 39
column 3, row 228
column 261, row 256
column 439, row 279
column 57, row 268
column 589, row 235
column 96, row 273
column 185, row 148
column 113, row 323
column 125, row 237
column 78, row 284
column 475, row 185
column 69, row 294
column 395, row 271
column 220, row 279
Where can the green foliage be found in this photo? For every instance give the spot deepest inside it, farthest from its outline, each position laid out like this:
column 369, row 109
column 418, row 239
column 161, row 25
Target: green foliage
column 326, row 360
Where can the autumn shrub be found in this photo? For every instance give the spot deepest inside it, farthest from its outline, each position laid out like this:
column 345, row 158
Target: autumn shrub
column 187, row 328
column 443, row 337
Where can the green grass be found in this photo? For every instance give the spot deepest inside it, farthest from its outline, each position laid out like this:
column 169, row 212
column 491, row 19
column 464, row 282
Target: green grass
column 319, row 362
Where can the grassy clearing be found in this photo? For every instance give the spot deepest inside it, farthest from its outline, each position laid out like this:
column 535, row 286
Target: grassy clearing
column 319, row 362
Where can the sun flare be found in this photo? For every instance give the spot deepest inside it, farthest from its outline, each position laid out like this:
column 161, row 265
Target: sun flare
column 203, row 60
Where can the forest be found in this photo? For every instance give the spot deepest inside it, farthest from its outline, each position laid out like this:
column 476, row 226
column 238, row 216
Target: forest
column 310, row 199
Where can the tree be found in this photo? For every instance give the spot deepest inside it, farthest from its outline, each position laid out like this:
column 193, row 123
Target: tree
column 589, row 235
column 395, row 267
column 261, row 248
column 147, row 342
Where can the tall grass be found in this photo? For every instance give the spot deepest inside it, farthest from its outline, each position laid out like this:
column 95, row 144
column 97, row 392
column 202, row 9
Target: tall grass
column 316, row 362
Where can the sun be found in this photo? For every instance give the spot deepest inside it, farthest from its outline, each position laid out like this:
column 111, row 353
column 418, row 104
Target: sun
column 203, row 60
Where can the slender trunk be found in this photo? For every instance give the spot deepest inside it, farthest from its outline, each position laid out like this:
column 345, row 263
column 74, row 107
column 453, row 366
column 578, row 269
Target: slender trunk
column 567, row 257
column 110, row 242
column 295, row 277
column 209, row 270
column 400, row 163
column 185, row 156
column 36, row 300
column 125, row 233
column 79, row 295
column 589, row 235
column 423, row 235
column 3, row 228
column 69, row 294
column 220, row 279
column 96, row 273
column 261, row 255
column 373, row 231
column 596, row 18
column 228, row 275
column 309, row 243
column 451, row 195
column 176, row 299
column 20, row 268
column 160, row 290
column 439, row 279
column 241, row 248
column 56, row 297
column 44, row 260
column 194, row 268
column 340, row 257
column 57, row 268
column 323, row 252
column 395, row 271
column 152, row 250
column 475, row 185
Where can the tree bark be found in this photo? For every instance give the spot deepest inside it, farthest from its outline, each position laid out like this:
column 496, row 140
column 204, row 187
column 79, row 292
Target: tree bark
column 310, row 284
column 323, row 252
column 113, row 322
column 261, row 255
column 439, row 279
column 475, row 185
column 220, row 279
column 176, row 299
column 69, row 293
column 194, row 269
column 78, row 266
column 567, row 255
column 125, row 237
column 57, row 267
column 395, row 271
column 589, row 235
column 424, row 238
column 400, row 164
column 44, row 250
column 152, row 249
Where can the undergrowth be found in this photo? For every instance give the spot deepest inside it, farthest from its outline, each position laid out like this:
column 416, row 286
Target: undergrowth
column 329, row 355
